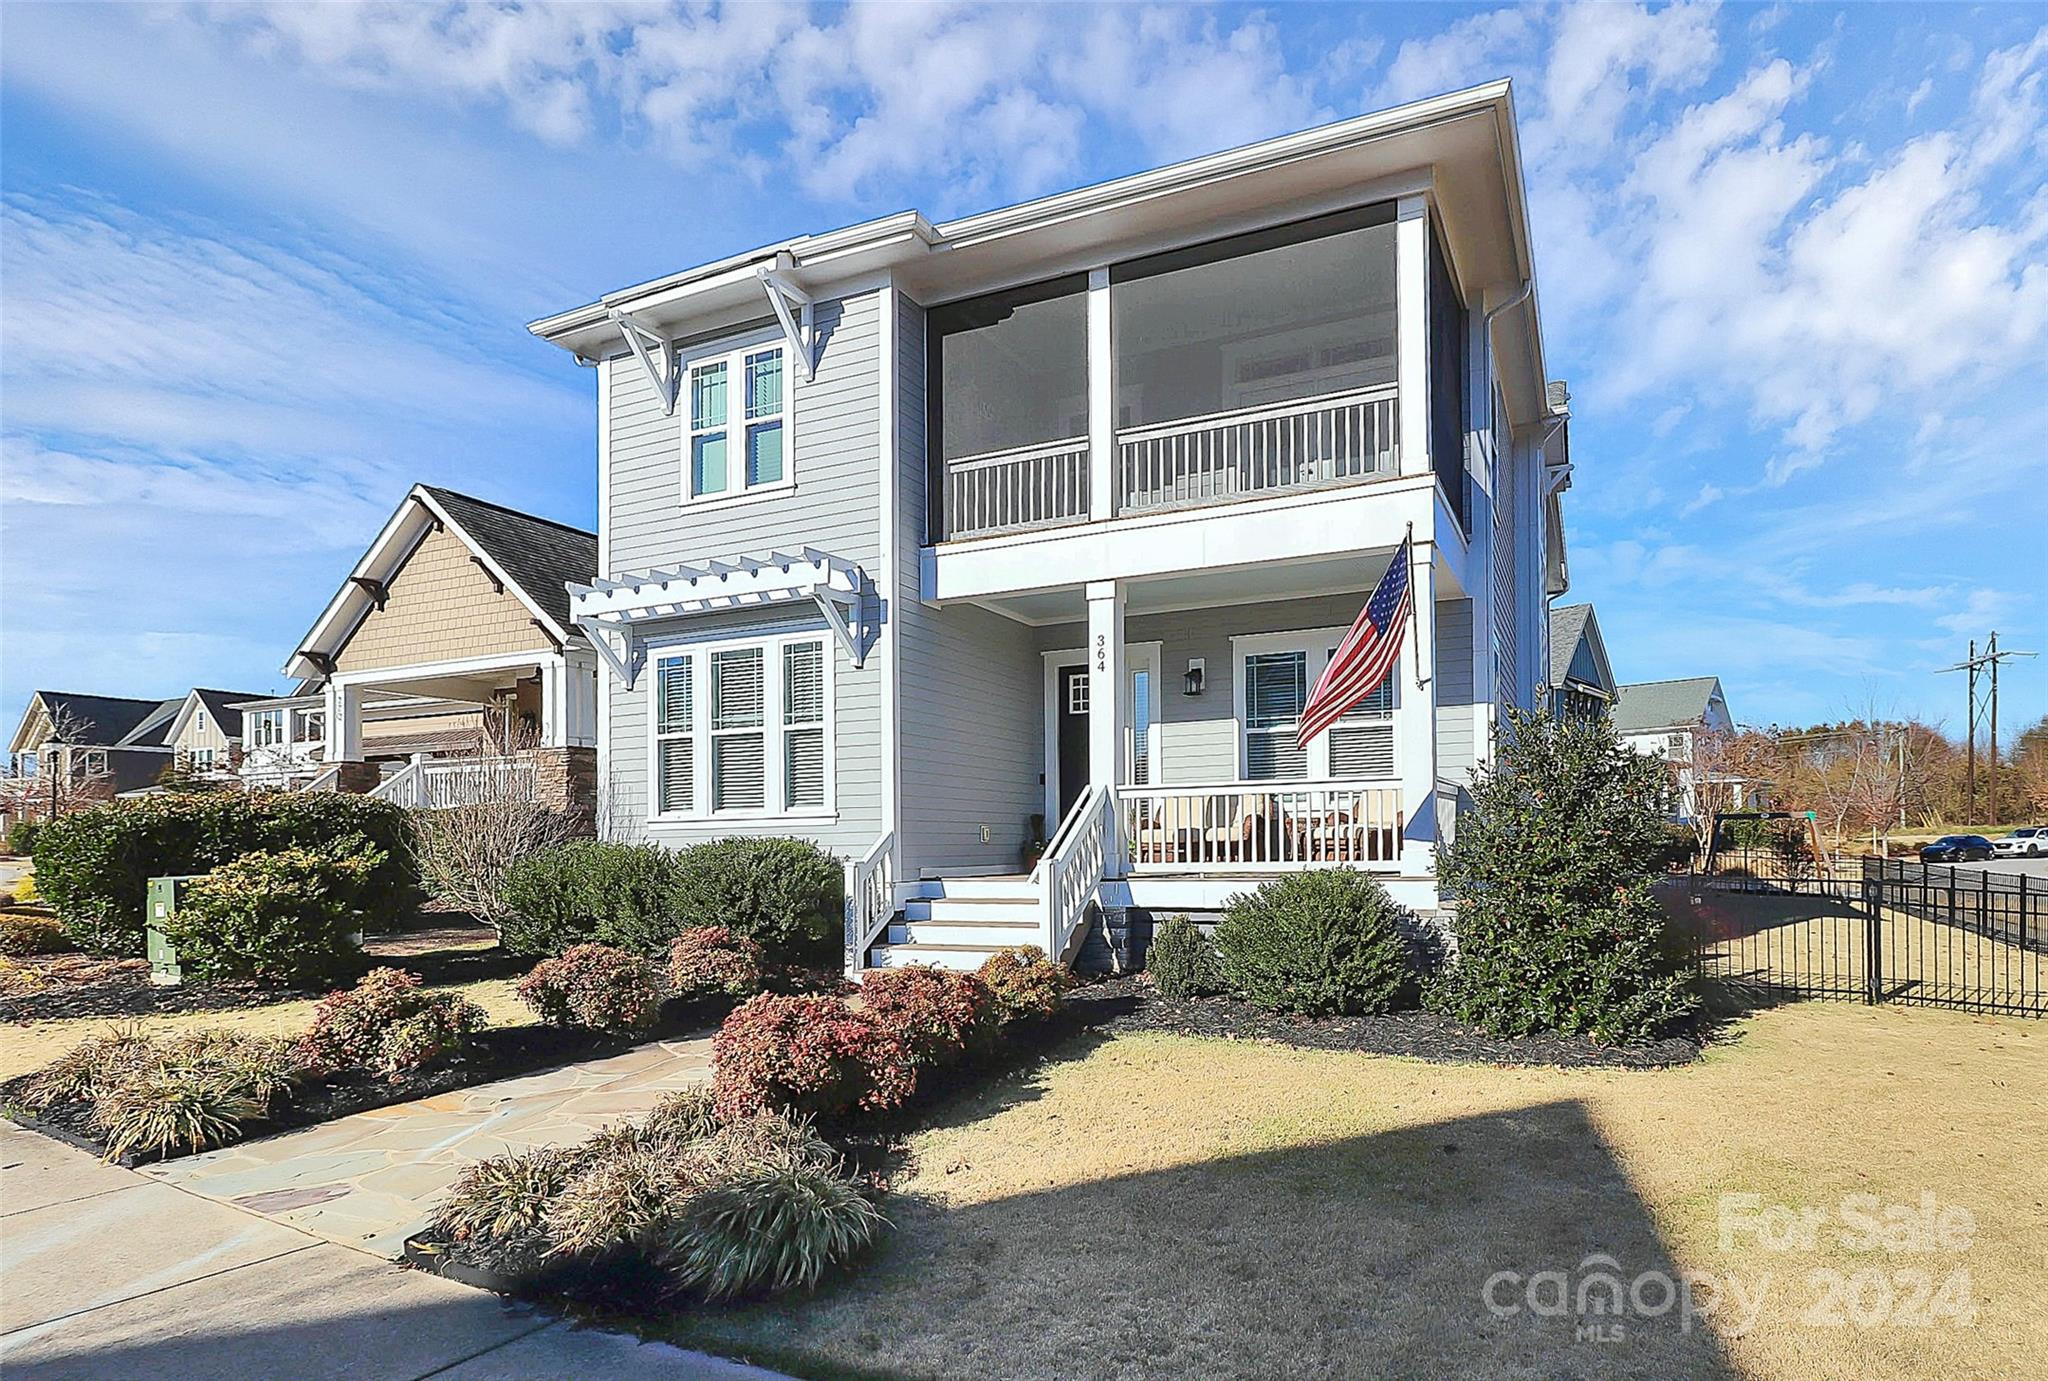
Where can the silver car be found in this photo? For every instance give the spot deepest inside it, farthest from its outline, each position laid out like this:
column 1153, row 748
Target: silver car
column 2030, row 841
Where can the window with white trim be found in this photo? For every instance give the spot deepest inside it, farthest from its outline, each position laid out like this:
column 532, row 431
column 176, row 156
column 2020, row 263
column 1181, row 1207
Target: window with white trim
column 743, row 729
column 265, row 728
column 736, row 424
column 1275, row 675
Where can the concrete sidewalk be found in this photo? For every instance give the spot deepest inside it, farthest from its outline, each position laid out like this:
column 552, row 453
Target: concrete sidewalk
column 106, row 1275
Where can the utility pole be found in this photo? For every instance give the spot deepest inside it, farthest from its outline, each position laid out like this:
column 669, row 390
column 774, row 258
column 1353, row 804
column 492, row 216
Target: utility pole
column 1986, row 663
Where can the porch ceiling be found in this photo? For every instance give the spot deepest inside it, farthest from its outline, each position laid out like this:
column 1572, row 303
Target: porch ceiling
column 1205, row 589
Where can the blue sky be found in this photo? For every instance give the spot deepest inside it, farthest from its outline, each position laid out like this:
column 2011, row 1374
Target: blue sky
column 261, row 267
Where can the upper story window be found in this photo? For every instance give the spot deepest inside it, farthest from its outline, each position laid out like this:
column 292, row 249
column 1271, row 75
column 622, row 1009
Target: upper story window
column 264, row 728
column 1276, row 672
column 309, row 726
column 743, row 729
column 736, row 424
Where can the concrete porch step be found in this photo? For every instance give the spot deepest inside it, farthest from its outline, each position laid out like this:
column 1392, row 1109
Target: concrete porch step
column 996, row 931
column 965, row 958
column 972, row 910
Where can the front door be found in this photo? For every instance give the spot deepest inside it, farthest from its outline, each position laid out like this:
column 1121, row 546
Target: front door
column 1072, row 689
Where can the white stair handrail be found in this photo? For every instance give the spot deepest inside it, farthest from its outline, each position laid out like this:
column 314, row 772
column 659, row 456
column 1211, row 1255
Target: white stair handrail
column 401, row 787
column 870, row 900
column 1071, row 872
column 327, row 780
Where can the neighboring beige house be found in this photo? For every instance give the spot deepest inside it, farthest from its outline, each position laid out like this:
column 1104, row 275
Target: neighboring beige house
column 448, row 647
column 206, row 733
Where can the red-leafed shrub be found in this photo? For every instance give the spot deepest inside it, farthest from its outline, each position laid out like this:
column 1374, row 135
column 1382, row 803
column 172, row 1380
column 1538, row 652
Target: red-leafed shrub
column 810, row 1056
column 388, row 1023
column 942, row 1016
column 596, row 986
column 1027, row 985
column 709, row 960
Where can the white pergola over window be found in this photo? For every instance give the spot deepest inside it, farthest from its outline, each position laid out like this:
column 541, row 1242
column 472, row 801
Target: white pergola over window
column 613, row 612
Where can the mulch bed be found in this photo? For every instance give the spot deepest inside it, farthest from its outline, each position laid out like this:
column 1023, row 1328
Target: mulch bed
column 1126, row 1004
column 79, row 985
column 498, row 1052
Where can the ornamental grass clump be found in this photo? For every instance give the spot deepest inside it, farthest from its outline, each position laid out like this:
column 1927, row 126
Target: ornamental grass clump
column 1321, row 943
column 158, row 1095
column 1181, row 962
column 779, row 1225
column 597, row 987
column 1554, row 869
column 503, row 1202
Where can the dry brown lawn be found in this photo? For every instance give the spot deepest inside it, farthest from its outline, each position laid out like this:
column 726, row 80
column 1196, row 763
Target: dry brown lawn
column 32, row 1045
column 1172, row 1207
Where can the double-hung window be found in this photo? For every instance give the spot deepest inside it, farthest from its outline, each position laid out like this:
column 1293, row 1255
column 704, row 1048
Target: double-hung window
column 1276, row 673
column 744, row 728
column 266, row 728
column 737, row 427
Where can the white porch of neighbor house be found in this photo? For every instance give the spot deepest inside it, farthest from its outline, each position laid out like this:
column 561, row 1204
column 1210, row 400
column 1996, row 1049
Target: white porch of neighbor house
column 485, row 717
column 1165, row 748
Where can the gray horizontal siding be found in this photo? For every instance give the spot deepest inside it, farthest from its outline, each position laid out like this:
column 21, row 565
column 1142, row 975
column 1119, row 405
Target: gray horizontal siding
column 835, row 458
column 970, row 729
column 1455, row 746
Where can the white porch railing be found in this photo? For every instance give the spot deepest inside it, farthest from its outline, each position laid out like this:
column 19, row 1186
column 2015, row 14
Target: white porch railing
column 1069, row 875
column 437, row 783
column 1007, row 491
column 326, row 780
column 870, row 900
column 1230, row 455
column 1260, row 826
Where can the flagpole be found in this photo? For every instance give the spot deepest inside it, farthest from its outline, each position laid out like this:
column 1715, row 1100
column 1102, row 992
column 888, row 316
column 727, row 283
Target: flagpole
column 1414, row 620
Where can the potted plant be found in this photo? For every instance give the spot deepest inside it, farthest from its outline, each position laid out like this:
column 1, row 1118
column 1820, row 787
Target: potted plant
column 1034, row 843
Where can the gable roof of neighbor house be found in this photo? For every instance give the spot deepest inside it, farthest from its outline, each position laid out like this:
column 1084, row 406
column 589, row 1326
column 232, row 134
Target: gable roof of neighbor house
column 1649, row 705
column 1577, row 651
column 1462, row 148
column 534, row 558
column 224, row 706
column 105, row 721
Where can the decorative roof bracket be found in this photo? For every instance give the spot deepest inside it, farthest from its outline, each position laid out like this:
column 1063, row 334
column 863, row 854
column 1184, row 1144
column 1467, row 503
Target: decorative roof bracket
column 842, row 610
column 626, row 659
column 798, row 329
column 665, row 374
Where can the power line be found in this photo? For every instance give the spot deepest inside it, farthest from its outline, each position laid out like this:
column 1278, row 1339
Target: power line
column 1975, row 665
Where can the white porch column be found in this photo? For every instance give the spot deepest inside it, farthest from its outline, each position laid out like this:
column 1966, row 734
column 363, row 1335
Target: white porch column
column 551, row 706
column 1415, row 723
column 1108, row 683
column 579, row 700
column 1411, row 330
column 344, row 722
column 1101, row 398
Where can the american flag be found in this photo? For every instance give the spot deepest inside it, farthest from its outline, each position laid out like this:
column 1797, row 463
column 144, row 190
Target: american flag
column 1366, row 655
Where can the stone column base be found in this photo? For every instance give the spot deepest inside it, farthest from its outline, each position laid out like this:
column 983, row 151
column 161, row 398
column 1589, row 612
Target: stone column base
column 356, row 778
column 566, row 780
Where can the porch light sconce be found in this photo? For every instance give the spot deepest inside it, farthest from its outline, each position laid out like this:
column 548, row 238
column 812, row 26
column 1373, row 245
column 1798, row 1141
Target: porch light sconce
column 1192, row 682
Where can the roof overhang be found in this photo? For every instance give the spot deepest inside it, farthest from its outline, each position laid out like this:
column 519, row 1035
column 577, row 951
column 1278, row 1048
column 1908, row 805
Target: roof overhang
column 612, row 613
column 416, row 516
column 1461, row 149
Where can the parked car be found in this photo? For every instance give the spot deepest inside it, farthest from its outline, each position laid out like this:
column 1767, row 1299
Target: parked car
column 2029, row 841
column 1957, row 848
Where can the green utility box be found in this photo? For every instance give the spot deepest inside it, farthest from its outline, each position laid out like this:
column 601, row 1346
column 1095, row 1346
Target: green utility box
column 164, row 894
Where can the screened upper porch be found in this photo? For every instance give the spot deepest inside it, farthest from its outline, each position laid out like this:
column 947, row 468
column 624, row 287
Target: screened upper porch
column 1257, row 364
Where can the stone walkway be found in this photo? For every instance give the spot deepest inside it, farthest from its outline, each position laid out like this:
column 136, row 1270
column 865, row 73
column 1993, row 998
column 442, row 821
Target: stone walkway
column 369, row 1181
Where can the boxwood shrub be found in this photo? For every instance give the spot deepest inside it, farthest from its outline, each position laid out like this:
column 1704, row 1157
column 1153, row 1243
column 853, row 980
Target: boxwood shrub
column 285, row 917
column 1181, row 961
column 1319, row 943
column 94, row 865
column 592, row 891
column 787, row 894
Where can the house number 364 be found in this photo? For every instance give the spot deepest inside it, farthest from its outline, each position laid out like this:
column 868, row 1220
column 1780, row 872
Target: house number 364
column 1101, row 653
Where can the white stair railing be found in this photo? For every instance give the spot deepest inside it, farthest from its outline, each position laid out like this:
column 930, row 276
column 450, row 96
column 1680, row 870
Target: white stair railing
column 1069, row 875
column 402, row 787
column 327, row 780
column 870, row 900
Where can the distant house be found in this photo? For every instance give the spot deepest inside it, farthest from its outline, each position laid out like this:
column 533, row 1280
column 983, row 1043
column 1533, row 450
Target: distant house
column 93, row 746
column 1581, row 681
column 206, row 733
column 1665, row 719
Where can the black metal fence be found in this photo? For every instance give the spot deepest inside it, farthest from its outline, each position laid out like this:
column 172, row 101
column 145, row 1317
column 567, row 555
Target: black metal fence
column 1873, row 930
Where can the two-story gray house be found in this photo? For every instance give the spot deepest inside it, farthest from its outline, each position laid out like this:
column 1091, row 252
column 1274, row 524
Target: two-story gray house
column 999, row 555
